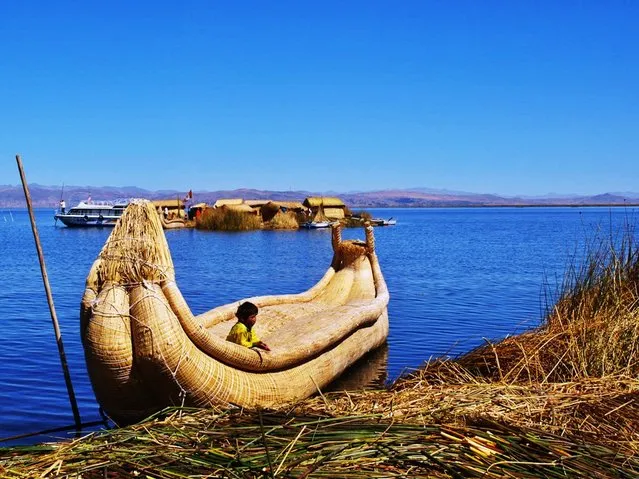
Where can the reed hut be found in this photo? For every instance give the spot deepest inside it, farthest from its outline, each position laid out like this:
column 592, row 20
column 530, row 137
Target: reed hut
column 257, row 205
column 240, row 208
column 269, row 210
column 272, row 208
column 195, row 211
column 174, row 208
column 294, row 206
column 325, row 207
column 227, row 201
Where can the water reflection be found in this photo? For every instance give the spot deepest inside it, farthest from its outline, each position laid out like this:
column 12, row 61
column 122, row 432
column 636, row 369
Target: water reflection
column 369, row 372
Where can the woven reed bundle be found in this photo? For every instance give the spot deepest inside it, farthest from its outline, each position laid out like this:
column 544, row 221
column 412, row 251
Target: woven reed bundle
column 146, row 350
column 136, row 250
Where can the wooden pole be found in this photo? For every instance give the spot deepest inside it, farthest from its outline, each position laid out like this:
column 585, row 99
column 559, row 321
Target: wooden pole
column 54, row 318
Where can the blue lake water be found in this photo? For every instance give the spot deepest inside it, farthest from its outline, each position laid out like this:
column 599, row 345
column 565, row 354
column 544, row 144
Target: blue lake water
column 456, row 276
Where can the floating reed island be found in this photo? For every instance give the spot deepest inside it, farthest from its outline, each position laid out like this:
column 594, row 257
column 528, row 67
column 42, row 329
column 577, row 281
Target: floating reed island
column 237, row 214
column 560, row 401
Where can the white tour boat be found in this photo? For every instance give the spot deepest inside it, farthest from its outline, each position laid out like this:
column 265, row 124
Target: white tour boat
column 316, row 224
column 92, row 213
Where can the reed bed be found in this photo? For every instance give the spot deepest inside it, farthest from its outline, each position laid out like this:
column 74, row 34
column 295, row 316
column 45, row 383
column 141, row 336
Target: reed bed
column 439, row 421
column 603, row 410
column 223, row 219
column 238, row 444
column 282, row 221
column 591, row 331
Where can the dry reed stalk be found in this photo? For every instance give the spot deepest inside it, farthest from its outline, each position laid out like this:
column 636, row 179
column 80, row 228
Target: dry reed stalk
column 592, row 331
column 205, row 443
column 225, row 219
column 602, row 409
column 282, row 221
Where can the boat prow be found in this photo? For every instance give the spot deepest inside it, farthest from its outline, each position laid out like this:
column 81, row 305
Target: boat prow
column 145, row 350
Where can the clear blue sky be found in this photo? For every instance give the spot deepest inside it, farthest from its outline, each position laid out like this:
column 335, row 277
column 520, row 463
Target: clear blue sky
column 488, row 97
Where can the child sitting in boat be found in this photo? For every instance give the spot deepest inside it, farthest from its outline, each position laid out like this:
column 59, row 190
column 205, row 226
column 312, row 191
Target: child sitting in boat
column 242, row 332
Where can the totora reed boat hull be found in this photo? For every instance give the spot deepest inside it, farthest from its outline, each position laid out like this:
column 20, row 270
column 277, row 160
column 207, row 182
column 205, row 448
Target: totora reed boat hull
column 145, row 350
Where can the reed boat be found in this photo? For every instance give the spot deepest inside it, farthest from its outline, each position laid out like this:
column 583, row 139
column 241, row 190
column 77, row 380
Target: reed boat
column 173, row 223
column 145, row 350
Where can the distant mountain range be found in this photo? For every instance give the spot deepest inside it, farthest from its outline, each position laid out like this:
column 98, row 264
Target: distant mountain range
column 49, row 196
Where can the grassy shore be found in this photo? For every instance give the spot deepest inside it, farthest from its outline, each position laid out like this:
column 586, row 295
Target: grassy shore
column 561, row 401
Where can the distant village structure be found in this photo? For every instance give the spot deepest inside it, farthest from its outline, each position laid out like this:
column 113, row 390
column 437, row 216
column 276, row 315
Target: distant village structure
column 313, row 212
column 325, row 207
column 171, row 208
column 264, row 207
column 228, row 202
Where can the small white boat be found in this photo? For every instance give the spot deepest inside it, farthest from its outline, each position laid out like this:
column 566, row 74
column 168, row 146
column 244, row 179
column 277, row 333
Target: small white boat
column 316, row 224
column 318, row 220
column 383, row 222
column 92, row 213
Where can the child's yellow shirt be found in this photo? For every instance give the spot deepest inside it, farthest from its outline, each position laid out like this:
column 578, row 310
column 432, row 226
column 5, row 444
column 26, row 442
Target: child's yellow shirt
column 240, row 334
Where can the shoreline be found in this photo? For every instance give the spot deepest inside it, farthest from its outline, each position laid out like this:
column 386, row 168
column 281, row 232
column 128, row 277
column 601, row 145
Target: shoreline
column 446, row 206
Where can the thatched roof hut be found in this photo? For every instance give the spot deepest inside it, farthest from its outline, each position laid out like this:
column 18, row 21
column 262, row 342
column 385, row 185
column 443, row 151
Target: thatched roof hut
column 325, row 201
column 174, row 203
column 242, row 208
column 325, row 206
column 256, row 203
column 290, row 205
column 270, row 209
column 196, row 210
column 227, row 201
column 174, row 207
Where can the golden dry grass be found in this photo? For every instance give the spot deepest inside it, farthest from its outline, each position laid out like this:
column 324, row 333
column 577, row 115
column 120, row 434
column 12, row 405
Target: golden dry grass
column 283, row 221
column 222, row 219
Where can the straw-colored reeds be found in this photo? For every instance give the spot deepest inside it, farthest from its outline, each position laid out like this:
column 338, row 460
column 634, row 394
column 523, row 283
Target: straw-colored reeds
column 136, row 250
column 282, row 221
column 228, row 219
column 592, row 330
column 338, row 435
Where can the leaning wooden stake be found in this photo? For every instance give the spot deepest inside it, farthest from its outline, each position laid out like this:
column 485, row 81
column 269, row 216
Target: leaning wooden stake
column 54, row 318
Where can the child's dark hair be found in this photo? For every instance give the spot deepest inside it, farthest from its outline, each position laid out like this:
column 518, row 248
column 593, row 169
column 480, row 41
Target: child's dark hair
column 245, row 310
